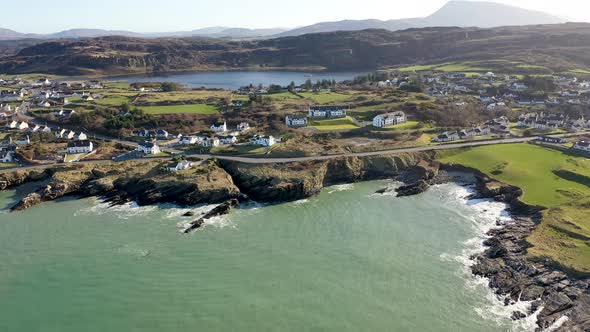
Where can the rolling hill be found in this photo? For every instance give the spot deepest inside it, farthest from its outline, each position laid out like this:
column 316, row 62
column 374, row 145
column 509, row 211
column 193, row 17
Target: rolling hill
column 555, row 47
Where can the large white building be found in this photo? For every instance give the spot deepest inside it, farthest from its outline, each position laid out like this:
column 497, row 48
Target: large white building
column 327, row 112
column 83, row 146
column 389, row 119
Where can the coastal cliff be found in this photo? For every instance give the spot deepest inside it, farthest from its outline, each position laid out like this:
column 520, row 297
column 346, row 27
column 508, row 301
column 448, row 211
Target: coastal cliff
column 148, row 182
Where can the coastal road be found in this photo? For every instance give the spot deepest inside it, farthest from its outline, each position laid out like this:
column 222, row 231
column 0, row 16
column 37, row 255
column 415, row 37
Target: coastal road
column 253, row 160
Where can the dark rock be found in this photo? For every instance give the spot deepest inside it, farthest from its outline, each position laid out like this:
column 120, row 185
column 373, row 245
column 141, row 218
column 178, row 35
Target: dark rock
column 555, row 303
column 517, row 315
column 413, row 189
column 220, row 210
column 531, row 293
column 189, row 214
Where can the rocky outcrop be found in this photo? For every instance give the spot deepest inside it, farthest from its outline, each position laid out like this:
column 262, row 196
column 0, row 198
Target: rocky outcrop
column 294, row 181
column 16, row 178
column 219, row 210
column 515, row 277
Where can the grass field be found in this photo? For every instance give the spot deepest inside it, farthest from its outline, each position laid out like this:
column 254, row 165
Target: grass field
column 410, row 125
column 325, row 97
column 176, row 109
column 549, row 178
column 334, row 124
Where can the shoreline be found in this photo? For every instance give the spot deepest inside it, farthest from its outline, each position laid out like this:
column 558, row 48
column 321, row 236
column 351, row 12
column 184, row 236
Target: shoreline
column 560, row 302
column 510, row 274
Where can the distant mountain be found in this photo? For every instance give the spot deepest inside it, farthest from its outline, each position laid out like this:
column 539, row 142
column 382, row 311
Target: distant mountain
column 558, row 48
column 455, row 13
column 212, row 32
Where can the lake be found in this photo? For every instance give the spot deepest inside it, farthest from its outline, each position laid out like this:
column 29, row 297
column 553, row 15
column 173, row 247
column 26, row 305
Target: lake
column 236, row 79
column 347, row 260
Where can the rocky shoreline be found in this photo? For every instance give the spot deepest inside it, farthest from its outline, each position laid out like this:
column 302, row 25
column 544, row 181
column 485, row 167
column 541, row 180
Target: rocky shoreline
column 559, row 301
column 511, row 274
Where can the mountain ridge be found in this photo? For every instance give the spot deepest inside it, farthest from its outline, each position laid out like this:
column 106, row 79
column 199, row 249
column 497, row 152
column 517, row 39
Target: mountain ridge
column 458, row 13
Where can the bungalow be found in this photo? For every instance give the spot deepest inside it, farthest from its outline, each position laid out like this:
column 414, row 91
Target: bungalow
column 243, row 126
column 82, row 146
column 296, row 121
column 467, row 133
column 87, row 98
column 328, row 112
column 179, row 166
column 447, row 137
column 554, row 140
column 149, row 148
column 482, row 131
column 162, row 134
column 389, row 119
column 583, row 146
column 518, row 87
column 227, row 140
column 65, row 134
column 45, row 129
column 266, row 141
column 219, row 127
column 188, row 140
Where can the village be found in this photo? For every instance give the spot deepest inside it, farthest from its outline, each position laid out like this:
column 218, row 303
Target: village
column 40, row 112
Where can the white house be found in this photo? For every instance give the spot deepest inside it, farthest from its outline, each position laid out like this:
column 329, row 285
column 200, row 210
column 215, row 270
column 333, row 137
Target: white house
column 583, row 146
column 447, row 136
column 329, row 112
column 22, row 126
column 227, row 140
column 389, row 119
column 267, row 141
column 44, row 103
column 179, row 166
column 12, row 125
column 34, row 129
column 243, row 126
column 219, row 127
column 64, row 113
column 482, row 131
column 80, row 137
column 149, row 148
column 77, row 147
column 6, row 156
column 467, row 133
column 209, row 142
column 518, row 87
column 188, row 140
column 296, row 121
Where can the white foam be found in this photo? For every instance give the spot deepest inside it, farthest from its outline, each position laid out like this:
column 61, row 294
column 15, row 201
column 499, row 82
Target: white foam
column 123, row 212
column 340, row 187
column 484, row 216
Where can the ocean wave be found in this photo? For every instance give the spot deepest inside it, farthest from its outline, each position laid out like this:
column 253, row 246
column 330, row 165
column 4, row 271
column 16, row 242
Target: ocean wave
column 340, row 187
column 122, row 212
column 484, row 215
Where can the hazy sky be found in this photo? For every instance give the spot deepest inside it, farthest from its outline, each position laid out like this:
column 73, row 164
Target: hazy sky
column 41, row 16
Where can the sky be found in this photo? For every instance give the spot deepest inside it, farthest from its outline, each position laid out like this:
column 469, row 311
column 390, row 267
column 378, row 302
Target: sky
column 40, row 16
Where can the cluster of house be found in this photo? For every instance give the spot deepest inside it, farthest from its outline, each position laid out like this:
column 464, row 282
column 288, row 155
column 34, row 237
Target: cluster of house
column 46, row 94
column 582, row 146
column 552, row 121
column 450, row 136
column 316, row 113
